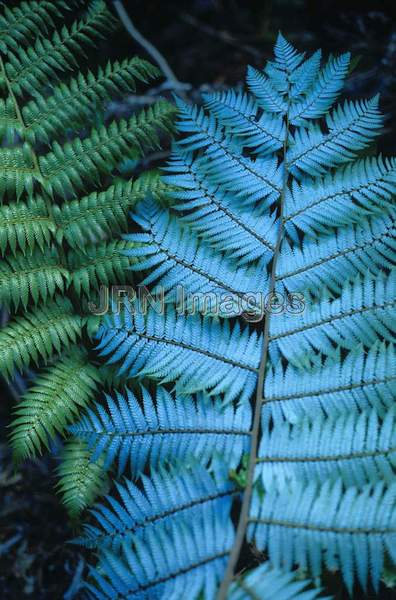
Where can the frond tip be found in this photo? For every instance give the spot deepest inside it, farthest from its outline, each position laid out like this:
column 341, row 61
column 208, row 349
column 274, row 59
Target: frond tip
column 55, row 399
column 80, row 478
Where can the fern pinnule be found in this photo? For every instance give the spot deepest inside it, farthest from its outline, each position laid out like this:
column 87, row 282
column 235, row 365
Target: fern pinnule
column 326, row 261
column 75, row 102
column 72, row 167
column 30, row 69
column 168, row 427
column 266, row 582
column 140, row 340
column 18, row 174
column 21, row 23
column 330, row 517
column 357, row 447
column 180, row 490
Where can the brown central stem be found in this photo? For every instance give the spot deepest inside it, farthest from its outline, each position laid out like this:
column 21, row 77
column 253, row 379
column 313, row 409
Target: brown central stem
column 259, row 401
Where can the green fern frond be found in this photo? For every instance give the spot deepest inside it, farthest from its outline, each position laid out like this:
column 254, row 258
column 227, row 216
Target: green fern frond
column 80, row 479
column 31, row 69
column 20, row 24
column 69, row 168
column 24, row 226
column 100, row 264
column 36, row 277
column 51, row 404
column 100, row 214
column 73, row 103
column 51, row 251
column 38, row 335
column 316, row 369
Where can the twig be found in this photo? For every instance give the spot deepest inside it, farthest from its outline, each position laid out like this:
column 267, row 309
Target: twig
column 6, row 546
column 155, row 54
column 76, row 583
column 224, row 36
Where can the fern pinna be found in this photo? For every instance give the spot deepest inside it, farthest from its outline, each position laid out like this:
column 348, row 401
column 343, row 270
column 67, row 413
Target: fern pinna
column 63, row 206
column 275, row 436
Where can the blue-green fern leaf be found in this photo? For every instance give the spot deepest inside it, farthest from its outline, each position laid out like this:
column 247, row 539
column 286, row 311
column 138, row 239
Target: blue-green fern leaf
column 350, row 128
column 364, row 312
column 325, row 261
column 237, row 111
column 273, row 179
column 343, row 197
column 364, row 379
column 323, row 92
column 167, row 560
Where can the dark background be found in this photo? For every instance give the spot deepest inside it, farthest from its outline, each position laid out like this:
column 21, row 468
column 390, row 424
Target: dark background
column 208, row 44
